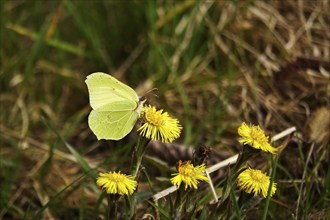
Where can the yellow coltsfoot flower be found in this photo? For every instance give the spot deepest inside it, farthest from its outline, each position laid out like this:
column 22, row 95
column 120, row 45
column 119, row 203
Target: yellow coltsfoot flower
column 255, row 137
column 158, row 125
column 189, row 174
column 254, row 181
column 116, row 183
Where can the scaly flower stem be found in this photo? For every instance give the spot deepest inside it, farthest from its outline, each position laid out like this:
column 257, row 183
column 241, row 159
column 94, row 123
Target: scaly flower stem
column 246, row 154
column 112, row 207
column 264, row 216
column 137, row 155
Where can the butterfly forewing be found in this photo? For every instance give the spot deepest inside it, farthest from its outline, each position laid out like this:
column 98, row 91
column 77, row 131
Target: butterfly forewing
column 105, row 90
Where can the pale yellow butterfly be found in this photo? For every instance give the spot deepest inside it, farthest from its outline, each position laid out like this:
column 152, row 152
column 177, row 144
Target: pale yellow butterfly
column 116, row 106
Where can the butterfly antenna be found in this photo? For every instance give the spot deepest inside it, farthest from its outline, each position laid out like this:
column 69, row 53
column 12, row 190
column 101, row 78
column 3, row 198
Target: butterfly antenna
column 151, row 90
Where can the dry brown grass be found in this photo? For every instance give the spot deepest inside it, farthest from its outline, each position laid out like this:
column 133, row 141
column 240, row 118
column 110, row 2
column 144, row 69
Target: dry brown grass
column 264, row 62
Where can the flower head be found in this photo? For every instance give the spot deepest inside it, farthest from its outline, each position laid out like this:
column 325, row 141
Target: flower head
column 189, row 174
column 159, row 125
column 116, row 183
column 254, row 181
column 255, row 137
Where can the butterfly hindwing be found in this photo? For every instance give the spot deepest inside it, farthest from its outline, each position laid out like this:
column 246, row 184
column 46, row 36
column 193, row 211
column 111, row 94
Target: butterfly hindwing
column 112, row 125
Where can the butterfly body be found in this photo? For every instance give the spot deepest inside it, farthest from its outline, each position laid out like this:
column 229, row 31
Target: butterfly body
column 116, row 106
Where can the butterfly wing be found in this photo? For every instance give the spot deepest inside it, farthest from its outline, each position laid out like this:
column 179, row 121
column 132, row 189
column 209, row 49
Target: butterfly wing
column 112, row 125
column 116, row 106
column 108, row 94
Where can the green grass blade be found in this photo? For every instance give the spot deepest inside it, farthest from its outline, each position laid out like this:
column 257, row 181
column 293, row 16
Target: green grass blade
column 37, row 216
column 56, row 43
column 37, row 51
column 90, row 32
column 161, row 210
column 80, row 160
column 2, row 24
